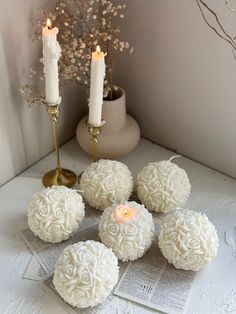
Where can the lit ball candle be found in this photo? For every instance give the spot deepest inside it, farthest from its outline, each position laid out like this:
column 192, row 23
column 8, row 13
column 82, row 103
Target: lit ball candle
column 124, row 213
column 127, row 229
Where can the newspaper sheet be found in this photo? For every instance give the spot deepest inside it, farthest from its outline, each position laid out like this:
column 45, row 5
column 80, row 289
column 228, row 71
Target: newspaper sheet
column 150, row 280
column 48, row 253
column 34, row 270
column 153, row 282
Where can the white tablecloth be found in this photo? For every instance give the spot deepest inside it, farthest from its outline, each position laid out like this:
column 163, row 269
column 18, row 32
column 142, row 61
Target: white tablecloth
column 214, row 289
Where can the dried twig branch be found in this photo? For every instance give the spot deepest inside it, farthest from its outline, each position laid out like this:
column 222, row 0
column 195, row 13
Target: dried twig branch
column 224, row 35
column 234, row 54
column 229, row 6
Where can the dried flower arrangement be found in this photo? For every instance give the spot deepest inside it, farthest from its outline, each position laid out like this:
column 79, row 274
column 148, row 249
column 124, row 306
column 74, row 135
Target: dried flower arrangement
column 82, row 24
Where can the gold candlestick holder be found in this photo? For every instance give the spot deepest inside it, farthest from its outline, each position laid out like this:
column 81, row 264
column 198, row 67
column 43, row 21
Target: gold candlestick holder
column 95, row 131
column 58, row 176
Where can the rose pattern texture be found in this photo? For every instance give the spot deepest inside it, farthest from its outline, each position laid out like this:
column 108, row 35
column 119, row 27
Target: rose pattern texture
column 128, row 240
column 162, row 186
column 55, row 213
column 188, row 240
column 106, row 182
column 86, row 273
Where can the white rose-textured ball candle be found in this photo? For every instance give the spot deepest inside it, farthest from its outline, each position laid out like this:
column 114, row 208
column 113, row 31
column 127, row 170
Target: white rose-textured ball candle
column 55, row 213
column 86, row 273
column 188, row 239
column 162, row 186
column 106, row 182
column 127, row 229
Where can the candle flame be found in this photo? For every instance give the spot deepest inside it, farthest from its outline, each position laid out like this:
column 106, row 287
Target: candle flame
column 125, row 211
column 49, row 24
column 98, row 49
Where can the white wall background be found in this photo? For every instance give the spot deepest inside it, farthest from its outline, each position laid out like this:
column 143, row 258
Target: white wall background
column 180, row 84
column 25, row 133
column 181, row 79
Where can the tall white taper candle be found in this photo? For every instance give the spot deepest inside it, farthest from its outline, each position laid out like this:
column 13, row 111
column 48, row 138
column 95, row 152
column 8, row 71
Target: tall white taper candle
column 96, row 87
column 51, row 55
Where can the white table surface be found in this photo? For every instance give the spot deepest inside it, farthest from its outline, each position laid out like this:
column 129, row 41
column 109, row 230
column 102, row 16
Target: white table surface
column 214, row 289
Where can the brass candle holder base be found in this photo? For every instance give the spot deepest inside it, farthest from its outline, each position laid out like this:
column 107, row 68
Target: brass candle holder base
column 58, row 176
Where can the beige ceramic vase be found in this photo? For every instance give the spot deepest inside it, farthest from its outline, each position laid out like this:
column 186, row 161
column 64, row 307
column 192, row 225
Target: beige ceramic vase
column 120, row 134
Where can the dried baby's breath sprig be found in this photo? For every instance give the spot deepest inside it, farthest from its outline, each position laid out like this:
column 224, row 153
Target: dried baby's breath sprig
column 33, row 91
